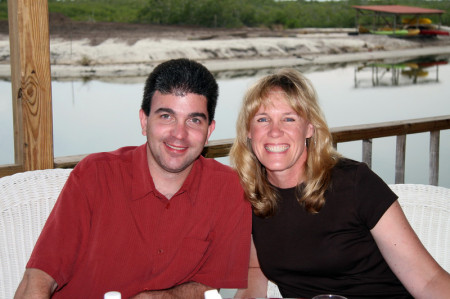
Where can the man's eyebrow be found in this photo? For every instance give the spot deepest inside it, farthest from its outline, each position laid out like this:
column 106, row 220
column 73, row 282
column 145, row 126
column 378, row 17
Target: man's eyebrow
column 198, row 114
column 167, row 110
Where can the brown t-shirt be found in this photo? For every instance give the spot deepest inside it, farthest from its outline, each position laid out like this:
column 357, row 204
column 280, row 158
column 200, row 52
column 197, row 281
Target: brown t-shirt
column 332, row 251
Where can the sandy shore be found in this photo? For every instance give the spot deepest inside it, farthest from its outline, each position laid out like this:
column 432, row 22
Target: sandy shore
column 115, row 56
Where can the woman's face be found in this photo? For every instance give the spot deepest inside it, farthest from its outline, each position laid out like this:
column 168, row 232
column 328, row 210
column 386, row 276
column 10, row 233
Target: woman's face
column 278, row 137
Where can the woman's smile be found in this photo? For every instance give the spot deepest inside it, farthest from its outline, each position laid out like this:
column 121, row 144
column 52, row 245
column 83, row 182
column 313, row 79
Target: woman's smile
column 276, row 148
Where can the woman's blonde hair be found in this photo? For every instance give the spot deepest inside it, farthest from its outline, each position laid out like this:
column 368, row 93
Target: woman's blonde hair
column 302, row 97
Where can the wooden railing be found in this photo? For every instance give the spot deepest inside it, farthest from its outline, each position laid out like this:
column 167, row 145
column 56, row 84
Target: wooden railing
column 365, row 133
column 400, row 129
column 221, row 148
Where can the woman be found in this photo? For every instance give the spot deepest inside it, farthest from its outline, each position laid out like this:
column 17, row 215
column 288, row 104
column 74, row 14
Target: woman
column 322, row 223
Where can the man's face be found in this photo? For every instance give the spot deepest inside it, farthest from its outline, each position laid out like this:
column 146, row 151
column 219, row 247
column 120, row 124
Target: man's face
column 177, row 130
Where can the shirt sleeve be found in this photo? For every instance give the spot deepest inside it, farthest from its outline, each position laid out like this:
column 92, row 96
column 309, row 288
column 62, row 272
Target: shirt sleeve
column 373, row 195
column 227, row 264
column 65, row 232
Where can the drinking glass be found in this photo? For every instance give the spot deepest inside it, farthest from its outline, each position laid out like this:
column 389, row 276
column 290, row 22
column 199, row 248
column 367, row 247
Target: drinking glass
column 329, row 296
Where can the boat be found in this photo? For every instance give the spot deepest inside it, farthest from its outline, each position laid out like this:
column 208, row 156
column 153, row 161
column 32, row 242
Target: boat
column 416, row 21
column 415, row 73
column 401, row 32
column 425, row 64
column 433, row 32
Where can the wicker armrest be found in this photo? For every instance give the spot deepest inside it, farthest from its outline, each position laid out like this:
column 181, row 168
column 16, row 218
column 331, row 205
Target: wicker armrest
column 26, row 200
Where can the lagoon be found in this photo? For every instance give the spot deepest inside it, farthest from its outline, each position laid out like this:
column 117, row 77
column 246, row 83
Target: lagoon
column 95, row 115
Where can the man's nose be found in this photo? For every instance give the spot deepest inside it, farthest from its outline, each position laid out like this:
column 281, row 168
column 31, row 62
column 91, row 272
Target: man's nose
column 180, row 130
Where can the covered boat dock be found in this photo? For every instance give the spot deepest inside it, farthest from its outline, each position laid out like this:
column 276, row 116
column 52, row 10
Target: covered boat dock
column 390, row 15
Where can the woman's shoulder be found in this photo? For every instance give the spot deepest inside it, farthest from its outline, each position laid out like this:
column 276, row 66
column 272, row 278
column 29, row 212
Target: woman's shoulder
column 348, row 170
column 346, row 164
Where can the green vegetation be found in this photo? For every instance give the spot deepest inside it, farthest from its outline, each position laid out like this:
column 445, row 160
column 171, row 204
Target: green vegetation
column 236, row 13
column 3, row 10
column 226, row 13
column 122, row 11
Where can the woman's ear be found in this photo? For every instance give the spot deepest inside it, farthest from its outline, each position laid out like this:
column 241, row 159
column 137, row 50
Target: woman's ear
column 310, row 130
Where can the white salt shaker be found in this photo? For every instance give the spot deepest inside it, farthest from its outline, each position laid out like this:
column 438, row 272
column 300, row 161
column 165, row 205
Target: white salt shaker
column 212, row 294
column 112, row 295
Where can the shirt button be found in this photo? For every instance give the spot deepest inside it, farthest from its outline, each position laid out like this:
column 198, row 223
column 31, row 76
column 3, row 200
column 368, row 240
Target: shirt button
column 160, row 251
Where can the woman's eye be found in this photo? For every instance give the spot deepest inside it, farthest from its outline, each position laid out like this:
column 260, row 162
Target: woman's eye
column 262, row 119
column 289, row 119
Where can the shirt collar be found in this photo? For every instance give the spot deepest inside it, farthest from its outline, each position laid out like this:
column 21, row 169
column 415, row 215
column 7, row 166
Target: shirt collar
column 192, row 183
column 142, row 181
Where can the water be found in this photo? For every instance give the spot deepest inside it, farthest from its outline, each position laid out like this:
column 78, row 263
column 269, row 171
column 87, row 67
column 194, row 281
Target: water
column 97, row 116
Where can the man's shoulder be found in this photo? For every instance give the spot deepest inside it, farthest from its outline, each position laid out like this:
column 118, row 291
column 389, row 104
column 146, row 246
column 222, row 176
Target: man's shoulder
column 118, row 156
column 216, row 174
column 215, row 167
column 223, row 183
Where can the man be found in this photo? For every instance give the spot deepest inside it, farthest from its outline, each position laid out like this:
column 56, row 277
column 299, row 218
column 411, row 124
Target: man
column 154, row 221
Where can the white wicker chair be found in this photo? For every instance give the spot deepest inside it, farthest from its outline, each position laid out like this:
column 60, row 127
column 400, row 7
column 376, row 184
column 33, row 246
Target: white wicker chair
column 428, row 211
column 26, row 200
column 273, row 291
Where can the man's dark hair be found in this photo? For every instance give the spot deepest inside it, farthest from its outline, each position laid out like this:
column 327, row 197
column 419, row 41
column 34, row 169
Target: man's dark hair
column 179, row 77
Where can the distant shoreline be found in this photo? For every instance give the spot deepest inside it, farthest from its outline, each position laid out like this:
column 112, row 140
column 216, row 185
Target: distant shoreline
column 114, row 57
column 121, row 71
column 142, row 70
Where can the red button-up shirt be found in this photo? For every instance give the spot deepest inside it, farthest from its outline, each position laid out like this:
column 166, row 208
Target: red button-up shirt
column 111, row 230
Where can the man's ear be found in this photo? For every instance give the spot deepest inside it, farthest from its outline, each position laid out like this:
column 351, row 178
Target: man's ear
column 143, row 120
column 211, row 128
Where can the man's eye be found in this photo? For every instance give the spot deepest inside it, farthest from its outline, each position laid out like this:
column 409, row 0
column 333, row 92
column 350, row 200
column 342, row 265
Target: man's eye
column 165, row 116
column 195, row 121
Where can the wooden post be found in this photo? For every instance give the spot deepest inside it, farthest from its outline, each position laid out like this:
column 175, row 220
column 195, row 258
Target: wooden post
column 367, row 152
column 31, row 83
column 400, row 159
column 434, row 158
